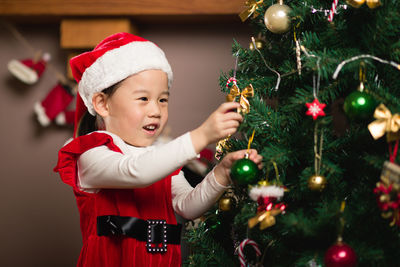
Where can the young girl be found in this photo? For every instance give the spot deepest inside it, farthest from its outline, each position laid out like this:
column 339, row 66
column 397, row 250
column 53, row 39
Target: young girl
column 127, row 189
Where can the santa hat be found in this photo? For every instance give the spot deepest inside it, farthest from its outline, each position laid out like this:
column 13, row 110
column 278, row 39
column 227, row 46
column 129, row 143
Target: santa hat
column 28, row 70
column 115, row 58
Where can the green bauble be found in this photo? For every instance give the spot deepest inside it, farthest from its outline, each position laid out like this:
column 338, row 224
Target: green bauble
column 244, row 171
column 359, row 105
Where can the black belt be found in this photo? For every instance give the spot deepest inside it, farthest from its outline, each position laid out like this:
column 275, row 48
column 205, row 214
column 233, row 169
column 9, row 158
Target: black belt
column 156, row 233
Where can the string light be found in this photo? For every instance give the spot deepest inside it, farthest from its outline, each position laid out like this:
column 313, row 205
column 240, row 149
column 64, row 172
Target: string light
column 340, row 66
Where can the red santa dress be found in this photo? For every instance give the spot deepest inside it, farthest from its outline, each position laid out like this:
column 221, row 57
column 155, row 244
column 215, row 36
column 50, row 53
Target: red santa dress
column 153, row 202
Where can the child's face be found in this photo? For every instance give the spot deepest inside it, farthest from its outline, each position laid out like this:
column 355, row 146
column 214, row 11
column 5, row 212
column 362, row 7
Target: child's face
column 138, row 109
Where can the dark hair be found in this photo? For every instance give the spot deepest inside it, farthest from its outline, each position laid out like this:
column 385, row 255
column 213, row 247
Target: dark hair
column 89, row 123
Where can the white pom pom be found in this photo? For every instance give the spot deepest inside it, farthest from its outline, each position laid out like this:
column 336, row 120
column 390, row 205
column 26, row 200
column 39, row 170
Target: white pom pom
column 266, row 191
column 60, row 119
column 46, row 57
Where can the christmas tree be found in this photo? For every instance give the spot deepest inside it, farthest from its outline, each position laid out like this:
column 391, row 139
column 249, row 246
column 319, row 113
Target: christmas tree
column 319, row 87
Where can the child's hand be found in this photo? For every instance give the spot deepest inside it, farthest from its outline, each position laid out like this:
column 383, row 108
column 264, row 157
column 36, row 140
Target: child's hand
column 220, row 124
column 222, row 171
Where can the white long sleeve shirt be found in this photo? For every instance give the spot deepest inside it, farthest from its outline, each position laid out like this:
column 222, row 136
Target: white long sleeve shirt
column 137, row 167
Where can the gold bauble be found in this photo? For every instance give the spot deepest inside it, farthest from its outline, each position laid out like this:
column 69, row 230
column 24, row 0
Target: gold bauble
column 317, row 183
column 259, row 45
column 355, row 3
column 384, row 198
column 276, row 18
column 225, row 203
column 374, row 3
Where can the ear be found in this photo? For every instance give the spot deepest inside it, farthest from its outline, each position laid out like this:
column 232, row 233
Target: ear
column 99, row 101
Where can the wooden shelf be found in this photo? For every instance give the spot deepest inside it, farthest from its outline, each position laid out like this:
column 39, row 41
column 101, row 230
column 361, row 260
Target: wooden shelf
column 51, row 8
column 86, row 33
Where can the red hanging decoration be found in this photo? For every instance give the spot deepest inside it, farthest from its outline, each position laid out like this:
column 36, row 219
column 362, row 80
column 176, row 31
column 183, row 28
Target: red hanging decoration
column 266, row 197
column 387, row 192
column 230, row 82
column 340, row 255
column 315, row 109
column 245, row 242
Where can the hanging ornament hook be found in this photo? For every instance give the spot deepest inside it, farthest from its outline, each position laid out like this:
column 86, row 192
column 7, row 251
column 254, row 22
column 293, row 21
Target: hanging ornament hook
column 278, row 81
column 249, row 144
column 362, row 74
column 298, row 50
column 318, row 149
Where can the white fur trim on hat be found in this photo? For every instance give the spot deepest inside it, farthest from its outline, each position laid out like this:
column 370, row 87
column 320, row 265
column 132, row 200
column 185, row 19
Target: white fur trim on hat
column 22, row 72
column 266, row 191
column 41, row 114
column 118, row 64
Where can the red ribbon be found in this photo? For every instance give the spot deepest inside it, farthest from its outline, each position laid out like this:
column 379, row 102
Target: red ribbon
column 393, row 204
column 392, row 156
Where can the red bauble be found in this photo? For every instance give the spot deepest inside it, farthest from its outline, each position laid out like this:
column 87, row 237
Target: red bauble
column 340, row 255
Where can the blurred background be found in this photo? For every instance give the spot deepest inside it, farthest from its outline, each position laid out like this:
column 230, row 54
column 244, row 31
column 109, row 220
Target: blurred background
column 39, row 219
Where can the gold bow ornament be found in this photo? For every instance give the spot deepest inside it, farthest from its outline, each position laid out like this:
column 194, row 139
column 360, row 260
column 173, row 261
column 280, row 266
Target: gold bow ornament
column 266, row 196
column 251, row 8
column 221, row 146
column 244, row 108
column 385, row 123
column 244, row 102
column 370, row 3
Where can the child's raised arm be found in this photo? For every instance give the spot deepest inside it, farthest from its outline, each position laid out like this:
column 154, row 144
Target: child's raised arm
column 218, row 125
column 101, row 168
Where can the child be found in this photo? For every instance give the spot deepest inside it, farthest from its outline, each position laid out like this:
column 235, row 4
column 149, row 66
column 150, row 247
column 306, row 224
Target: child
column 127, row 189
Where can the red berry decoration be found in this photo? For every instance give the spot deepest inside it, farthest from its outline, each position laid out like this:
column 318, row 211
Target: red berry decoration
column 340, row 255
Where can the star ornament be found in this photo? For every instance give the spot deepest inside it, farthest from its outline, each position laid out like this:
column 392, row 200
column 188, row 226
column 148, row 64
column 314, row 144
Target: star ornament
column 315, row 109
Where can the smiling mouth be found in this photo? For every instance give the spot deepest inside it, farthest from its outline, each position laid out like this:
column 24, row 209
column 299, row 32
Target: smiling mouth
column 151, row 128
